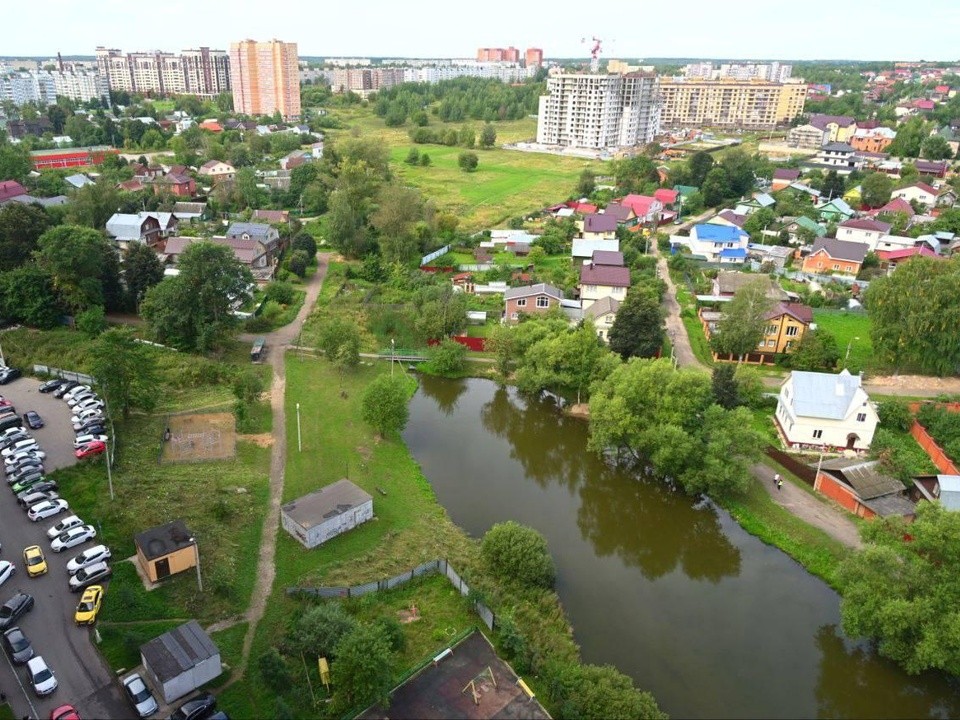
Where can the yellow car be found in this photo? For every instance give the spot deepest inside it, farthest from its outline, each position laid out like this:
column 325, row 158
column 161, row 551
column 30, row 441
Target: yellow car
column 34, row 560
column 89, row 605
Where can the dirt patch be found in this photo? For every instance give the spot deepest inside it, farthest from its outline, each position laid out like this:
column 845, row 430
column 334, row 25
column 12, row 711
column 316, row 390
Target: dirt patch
column 364, row 452
column 199, row 437
column 916, row 382
column 578, row 410
column 262, row 440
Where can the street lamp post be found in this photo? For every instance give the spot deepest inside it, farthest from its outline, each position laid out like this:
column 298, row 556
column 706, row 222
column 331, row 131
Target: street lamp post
column 196, row 557
column 106, row 451
column 849, row 345
column 392, row 354
column 299, row 442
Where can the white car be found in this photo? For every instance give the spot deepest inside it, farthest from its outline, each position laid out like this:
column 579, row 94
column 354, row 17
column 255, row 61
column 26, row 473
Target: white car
column 89, row 575
column 80, row 397
column 19, row 446
column 74, row 391
column 41, row 677
column 90, row 556
column 89, row 404
column 73, row 537
column 6, row 571
column 47, row 509
column 71, row 521
column 140, row 695
column 17, row 458
column 88, row 438
column 85, row 415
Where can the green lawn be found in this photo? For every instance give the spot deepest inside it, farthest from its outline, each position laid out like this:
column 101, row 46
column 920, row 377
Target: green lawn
column 850, row 329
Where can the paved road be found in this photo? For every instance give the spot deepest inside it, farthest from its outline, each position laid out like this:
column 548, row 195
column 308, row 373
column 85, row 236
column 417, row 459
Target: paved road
column 85, row 681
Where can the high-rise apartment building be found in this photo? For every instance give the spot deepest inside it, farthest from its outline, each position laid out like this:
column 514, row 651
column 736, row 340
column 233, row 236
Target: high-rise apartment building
column 599, row 111
column 203, row 72
column 774, row 71
column 43, row 87
column 533, row 57
column 265, row 77
column 364, row 81
column 747, row 104
column 508, row 54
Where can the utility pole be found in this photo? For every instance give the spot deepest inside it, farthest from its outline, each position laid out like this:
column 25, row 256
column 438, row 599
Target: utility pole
column 392, row 354
column 299, row 441
column 106, row 449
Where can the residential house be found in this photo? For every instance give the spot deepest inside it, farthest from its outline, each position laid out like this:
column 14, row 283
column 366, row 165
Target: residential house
column 942, row 488
column 924, row 194
column 947, row 197
column 127, row 228
column 952, row 137
column 189, row 211
column 810, row 192
column 728, row 282
column 179, row 184
column 274, row 217
column 835, row 256
column 10, row 189
column 801, row 226
column 837, row 128
column 863, row 230
column 863, row 488
column 211, row 125
column 295, row 159
column 783, row 177
column 786, row 324
column 807, row 137
column 599, row 281
column 717, row 243
column 874, row 140
column 134, row 185
column 266, row 235
column 854, row 196
column 316, row 150
column 778, row 255
column 602, row 313
column 728, row 218
column 624, row 215
column 825, row 410
column 835, row 210
column 645, row 207
column 78, row 181
column 582, row 250
column 666, row 196
column 218, row 170
column 168, row 222
column 685, row 191
column 936, row 168
column 248, row 252
column 897, row 205
column 757, row 202
column 531, row 300
column 599, row 227
column 836, row 156
column 890, row 259
column 606, row 257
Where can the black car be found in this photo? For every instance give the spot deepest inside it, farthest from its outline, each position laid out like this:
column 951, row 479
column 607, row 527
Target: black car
column 8, row 375
column 92, row 427
column 14, row 608
column 41, row 486
column 33, row 419
column 51, row 385
column 65, row 388
column 199, row 708
column 18, row 645
column 24, row 473
column 12, row 438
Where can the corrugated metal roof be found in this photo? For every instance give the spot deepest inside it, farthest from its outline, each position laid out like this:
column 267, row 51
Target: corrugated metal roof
column 825, row 395
column 949, row 491
column 864, row 477
column 528, row 290
column 178, row 650
column 312, row 509
column 585, row 248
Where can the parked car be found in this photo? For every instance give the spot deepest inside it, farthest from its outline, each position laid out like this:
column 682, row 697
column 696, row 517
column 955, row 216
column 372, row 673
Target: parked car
column 9, row 374
column 32, row 498
column 89, row 575
column 82, row 415
column 65, row 712
column 90, row 556
column 4, row 402
column 35, row 486
column 18, row 645
column 73, row 537
column 65, row 388
column 6, row 571
column 19, row 446
column 76, row 390
column 198, row 708
column 76, row 398
column 51, row 385
column 33, row 419
column 22, row 468
column 84, row 418
column 89, row 605
column 15, row 459
column 88, row 438
column 140, row 695
column 219, row 715
column 27, row 474
column 34, row 561
column 94, row 426
column 41, row 676
column 91, row 449
column 47, row 509
column 11, row 437
column 28, row 484
column 71, row 521
column 14, row 608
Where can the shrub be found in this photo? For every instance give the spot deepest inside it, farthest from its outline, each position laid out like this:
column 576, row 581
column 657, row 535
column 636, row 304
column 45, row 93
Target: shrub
column 468, row 161
column 320, row 629
column 393, row 631
column 91, row 322
column 516, row 553
column 274, row 671
column 304, row 241
column 363, row 671
column 895, row 415
column 448, row 358
column 297, row 264
column 281, row 292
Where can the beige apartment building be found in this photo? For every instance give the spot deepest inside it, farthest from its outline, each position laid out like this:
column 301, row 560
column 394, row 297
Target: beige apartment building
column 203, row 72
column 747, row 104
column 266, row 78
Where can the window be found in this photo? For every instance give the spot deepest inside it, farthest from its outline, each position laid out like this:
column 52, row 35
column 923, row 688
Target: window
column 789, row 346
column 522, row 302
column 771, row 343
column 771, row 330
column 513, row 316
column 836, row 266
column 543, row 302
column 817, row 434
column 861, row 417
column 792, row 330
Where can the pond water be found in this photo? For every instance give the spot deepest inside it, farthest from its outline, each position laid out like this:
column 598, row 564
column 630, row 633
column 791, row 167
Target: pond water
column 668, row 589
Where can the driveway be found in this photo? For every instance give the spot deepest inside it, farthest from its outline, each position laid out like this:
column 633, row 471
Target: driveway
column 85, row 680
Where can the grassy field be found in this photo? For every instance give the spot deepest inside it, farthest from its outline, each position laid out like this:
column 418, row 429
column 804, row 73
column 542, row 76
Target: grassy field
column 851, row 329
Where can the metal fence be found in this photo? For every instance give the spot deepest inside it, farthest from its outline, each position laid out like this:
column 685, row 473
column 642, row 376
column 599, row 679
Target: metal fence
column 64, row 374
column 425, row 260
column 428, row 568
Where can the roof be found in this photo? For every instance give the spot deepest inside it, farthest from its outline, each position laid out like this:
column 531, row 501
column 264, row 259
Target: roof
column 584, row 248
column 838, row 204
column 123, row 226
column 621, row 212
column 821, row 121
column 949, row 491
column 798, row 311
column 718, row 233
column 837, row 147
column 606, row 275
column 604, row 306
column 808, row 224
column 904, row 253
column 806, row 189
column 319, row 506
column 531, row 290
column 271, row 216
column 640, row 204
column 898, row 205
column 211, row 164
column 930, row 166
column 841, row 249
column 764, row 200
column 177, row 651
column 164, row 539
column 824, row 395
column 164, row 218
column 732, row 217
column 786, row 174
column 733, row 253
column 79, row 180
column 867, row 224
column 863, row 476
column 189, row 208
column 172, row 178
column 728, row 282
column 922, row 186
column 607, row 257
column 666, row 195
column 10, row 189
column 245, row 251
column 254, row 230
column 596, row 223
column 686, row 190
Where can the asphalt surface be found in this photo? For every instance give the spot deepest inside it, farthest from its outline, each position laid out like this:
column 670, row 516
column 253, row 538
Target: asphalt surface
column 84, row 679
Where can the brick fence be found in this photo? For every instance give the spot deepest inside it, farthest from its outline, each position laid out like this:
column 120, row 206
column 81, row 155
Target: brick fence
column 929, row 445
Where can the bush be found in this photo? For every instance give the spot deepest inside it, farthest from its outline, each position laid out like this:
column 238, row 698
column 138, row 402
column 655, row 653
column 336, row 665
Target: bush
column 281, row 292
column 595, row 691
column 274, row 671
column 304, row 241
column 468, row 161
column 363, row 671
column 297, row 264
column 448, row 358
column 320, row 629
column 393, row 631
column 895, row 415
column 91, row 322
column 516, row 553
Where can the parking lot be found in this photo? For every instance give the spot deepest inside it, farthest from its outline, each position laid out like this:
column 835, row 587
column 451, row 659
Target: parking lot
column 84, row 679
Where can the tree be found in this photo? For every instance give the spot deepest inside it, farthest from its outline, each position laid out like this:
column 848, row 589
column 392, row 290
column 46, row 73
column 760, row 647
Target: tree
column 83, row 266
column 586, row 183
column 740, row 170
column 92, row 321
column 601, row 691
column 488, row 136
column 93, row 205
column 304, row 241
column 413, row 157
column 759, row 221
column 895, row 415
column 193, row 311
column 935, row 147
column 441, row 312
column 424, row 160
column 638, row 327
column 915, row 313
column 297, row 263
column 744, row 319
column 516, row 553
column 468, row 161
column 448, row 358
column 384, row 404
column 909, row 139
column 398, row 210
column 571, row 359
column 15, row 163
column 875, row 190
column 141, row 271
column 716, row 187
column 724, row 385
column 274, row 670
column 340, row 343
column 126, row 372
column 902, row 589
column 503, row 346
column 27, row 295
column 701, row 163
column 817, row 351
column 21, row 225
column 363, row 672
column 832, row 185
column 319, row 630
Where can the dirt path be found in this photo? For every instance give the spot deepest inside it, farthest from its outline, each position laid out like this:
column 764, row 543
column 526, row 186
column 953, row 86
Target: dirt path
column 675, row 329
column 833, row 521
column 277, row 343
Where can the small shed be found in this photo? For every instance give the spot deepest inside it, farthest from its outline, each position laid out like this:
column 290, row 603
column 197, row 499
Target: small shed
column 325, row 513
column 181, row 660
column 166, row 550
column 861, row 488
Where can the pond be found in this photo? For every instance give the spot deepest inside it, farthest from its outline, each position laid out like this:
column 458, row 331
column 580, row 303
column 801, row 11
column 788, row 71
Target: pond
column 667, row 588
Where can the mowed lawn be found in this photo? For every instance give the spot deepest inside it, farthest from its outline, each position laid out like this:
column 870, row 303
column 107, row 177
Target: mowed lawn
column 851, row 329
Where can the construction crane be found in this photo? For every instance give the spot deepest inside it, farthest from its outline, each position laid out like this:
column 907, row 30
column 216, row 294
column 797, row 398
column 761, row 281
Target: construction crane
column 594, row 53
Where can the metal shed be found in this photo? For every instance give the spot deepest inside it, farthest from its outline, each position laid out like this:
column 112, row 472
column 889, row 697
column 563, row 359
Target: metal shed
column 181, row 660
column 325, row 513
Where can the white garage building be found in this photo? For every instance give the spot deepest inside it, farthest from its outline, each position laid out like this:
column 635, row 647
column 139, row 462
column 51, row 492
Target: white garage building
column 325, row 513
column 181, row 660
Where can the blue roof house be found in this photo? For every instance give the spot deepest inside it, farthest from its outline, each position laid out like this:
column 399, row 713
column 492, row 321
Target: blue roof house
column 718, row 243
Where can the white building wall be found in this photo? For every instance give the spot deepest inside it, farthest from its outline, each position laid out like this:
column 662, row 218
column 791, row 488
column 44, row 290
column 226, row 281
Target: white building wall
column 800, row 430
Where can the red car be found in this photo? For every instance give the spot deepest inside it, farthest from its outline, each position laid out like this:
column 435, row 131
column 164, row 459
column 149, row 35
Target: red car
column 65, row 712
column 4, row 402
column 91, row 449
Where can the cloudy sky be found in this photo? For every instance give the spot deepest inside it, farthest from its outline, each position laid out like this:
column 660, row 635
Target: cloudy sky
column 760, row 29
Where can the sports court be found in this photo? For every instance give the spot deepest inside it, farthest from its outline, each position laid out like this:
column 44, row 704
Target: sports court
column 200, row 437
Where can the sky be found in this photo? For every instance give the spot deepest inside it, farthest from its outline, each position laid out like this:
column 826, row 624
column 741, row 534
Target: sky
column 734, row 29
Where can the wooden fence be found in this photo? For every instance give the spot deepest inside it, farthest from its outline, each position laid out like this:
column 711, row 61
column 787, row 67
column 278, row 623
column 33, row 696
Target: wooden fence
column 802, row 471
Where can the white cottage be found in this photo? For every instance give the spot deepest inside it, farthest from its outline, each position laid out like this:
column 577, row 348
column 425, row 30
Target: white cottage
column 825, row 410
column 325, row 513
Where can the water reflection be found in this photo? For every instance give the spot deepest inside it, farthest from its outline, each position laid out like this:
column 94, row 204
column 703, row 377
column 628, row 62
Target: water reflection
column 445, row 394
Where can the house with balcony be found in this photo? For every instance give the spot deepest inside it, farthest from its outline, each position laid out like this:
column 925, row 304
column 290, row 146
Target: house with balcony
column 217, row 170
column 179, row 184
column 836, row 128
column 838, row 156
column 600, row 281
column 835, row 256
column 786, row 324
column 531, row 300
column 266, row 235
column 646, row 208
column 806, row 137
column 717, row 243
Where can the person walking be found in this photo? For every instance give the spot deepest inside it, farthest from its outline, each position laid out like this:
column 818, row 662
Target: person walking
column 778, row 480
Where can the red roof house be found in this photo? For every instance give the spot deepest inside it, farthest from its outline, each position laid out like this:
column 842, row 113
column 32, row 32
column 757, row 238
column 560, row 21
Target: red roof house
column 11, row 189
column 645, row 207
column 666, row 196
column 897, row 205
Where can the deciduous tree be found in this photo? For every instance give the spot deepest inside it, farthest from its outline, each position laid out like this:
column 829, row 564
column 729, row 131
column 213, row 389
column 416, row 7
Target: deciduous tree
column 21, row 225
column 716, row 187
column 638, row 327
column 141, row 271
column 817, row 351
column 875, row 190
column 384, row 404
column 126, row 372
column 27, row 295
column 488, row 136
column 83, row 266
column 744, row 319
column 518, row 554
column 363, row 672
column 468, row 161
